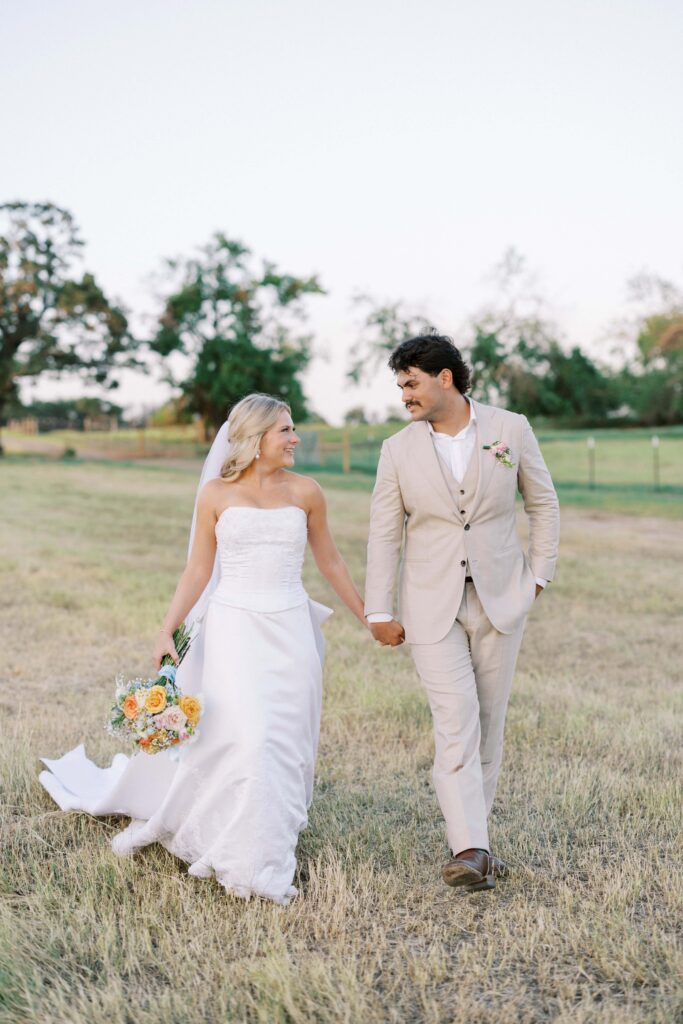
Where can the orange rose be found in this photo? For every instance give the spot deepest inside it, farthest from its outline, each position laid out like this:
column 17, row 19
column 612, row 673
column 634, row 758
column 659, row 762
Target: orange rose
column 156, row 700
column 130, row 707
column 192, row 708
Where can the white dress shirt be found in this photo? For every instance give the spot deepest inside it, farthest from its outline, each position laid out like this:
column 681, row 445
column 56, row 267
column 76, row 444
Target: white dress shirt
column 456, row 451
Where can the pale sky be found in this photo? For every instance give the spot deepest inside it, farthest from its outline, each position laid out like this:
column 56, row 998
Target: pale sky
column 396, row 148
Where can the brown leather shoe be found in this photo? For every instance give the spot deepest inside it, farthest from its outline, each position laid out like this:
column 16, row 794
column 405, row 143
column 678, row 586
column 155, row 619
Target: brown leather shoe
column 473, row 870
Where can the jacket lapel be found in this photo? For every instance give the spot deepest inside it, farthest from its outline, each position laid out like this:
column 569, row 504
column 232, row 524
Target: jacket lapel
column 488, row 422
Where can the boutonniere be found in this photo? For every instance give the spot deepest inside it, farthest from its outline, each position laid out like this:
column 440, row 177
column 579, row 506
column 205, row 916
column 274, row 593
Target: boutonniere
column 501, row 452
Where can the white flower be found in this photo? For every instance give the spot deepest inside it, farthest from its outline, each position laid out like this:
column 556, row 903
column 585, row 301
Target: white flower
column 172, row 717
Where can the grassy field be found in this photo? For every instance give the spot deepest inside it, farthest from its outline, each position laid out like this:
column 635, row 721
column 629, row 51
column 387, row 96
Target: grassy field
column 587, row 929
column 624, row 474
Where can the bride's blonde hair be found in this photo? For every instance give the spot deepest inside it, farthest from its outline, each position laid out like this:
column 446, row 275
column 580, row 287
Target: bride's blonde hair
column 247, row 423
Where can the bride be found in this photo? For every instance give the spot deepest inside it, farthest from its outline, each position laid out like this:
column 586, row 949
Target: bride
column 232, row 803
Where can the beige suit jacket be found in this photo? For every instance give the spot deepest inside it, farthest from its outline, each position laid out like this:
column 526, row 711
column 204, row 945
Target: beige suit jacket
column 417, row 526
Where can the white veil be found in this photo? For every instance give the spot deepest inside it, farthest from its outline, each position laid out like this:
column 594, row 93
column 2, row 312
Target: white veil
column 190, row 672
column 211, row 470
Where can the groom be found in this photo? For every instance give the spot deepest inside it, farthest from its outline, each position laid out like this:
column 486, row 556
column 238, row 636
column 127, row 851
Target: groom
column 445, row 497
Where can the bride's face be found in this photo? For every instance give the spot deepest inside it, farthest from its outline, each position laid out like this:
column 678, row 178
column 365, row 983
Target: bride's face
column 278, row 443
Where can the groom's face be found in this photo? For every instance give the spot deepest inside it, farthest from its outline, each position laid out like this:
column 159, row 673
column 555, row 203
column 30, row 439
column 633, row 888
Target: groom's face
column 422, row 394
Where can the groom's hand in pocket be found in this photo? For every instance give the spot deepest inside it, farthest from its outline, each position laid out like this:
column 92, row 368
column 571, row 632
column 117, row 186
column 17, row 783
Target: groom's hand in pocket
column 389, row 634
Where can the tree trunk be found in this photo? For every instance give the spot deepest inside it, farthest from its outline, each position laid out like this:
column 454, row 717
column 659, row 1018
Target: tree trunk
column 3, row 406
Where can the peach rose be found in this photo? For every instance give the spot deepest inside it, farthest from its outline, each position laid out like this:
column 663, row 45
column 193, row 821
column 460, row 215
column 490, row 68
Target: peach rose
column 156, row 700
column 130, row 707
column 192, row 708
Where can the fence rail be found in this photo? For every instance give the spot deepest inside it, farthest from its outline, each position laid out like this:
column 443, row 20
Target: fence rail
column 593, row 462
column 615, row 459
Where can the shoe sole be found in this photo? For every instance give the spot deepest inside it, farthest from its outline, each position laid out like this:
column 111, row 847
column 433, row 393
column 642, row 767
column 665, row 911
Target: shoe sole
column 469, row 880
column 488, row 882
column 460, row 876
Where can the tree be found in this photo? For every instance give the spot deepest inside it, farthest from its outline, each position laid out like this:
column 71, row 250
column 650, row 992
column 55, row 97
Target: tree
column 545, row 380
column 52, row 321
column 384, row 326
column 61, row 413
column 651, row 381
column 238, row 325
column 487, row 359
column 517, row 357
column 356, row 416
column 171, row 413
column 508, row 332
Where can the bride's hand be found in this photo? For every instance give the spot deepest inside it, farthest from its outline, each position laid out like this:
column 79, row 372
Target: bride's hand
column 163, row 646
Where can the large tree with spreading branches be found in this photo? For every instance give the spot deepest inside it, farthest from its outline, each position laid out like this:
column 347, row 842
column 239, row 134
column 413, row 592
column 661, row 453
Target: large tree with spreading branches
column 239, row 322
column 54, row 317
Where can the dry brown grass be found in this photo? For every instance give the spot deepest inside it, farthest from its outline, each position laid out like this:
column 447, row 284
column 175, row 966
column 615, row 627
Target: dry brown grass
column 588, row 813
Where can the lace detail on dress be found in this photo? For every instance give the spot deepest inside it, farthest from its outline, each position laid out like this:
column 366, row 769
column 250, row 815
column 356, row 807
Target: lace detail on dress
column 261, row 554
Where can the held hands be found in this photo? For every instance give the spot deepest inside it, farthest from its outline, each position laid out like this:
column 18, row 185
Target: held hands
column 388, row 634
column 163, row 646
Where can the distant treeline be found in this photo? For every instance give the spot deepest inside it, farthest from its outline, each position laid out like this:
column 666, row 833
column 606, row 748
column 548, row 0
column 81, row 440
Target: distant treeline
column 67, row 414
column 519, row 360
column 239, row 324
column 569, row 389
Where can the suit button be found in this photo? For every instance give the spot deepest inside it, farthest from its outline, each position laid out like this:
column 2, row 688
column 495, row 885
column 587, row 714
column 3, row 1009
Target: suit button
column 462, row 511
column 467, row 526
column 463, row 563
column 461, row 491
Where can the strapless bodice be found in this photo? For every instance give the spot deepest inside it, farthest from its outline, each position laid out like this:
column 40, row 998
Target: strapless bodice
column 261, row 554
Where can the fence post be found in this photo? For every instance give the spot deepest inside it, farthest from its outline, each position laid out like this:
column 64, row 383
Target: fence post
column 591, row 462
column 655, row 460
column 141, row 443
column 346, row 452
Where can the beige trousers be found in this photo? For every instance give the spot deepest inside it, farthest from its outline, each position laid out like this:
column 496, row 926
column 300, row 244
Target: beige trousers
column 468, row 676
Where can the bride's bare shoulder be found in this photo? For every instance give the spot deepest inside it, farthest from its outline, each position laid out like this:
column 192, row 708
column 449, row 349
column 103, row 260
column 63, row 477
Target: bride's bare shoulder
column 308, row 491
column 214, row 493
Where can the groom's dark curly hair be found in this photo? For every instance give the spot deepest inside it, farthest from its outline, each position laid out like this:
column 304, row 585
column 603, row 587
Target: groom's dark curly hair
column 432, row 353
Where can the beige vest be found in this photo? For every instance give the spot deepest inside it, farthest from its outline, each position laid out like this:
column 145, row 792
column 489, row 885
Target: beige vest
column 462, row 492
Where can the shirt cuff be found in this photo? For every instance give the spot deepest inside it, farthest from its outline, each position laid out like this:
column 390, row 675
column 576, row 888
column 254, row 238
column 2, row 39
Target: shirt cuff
column 541, row 583
column 379, row 617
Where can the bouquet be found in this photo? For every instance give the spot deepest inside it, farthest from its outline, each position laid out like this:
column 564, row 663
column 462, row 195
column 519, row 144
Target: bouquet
column 154, row 713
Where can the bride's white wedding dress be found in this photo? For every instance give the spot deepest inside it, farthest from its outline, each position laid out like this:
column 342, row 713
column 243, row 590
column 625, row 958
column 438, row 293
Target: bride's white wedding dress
column 233, row 802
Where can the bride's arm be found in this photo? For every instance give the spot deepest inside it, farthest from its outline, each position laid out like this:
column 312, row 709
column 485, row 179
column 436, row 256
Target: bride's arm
column 195, row 577
column 327, row 557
